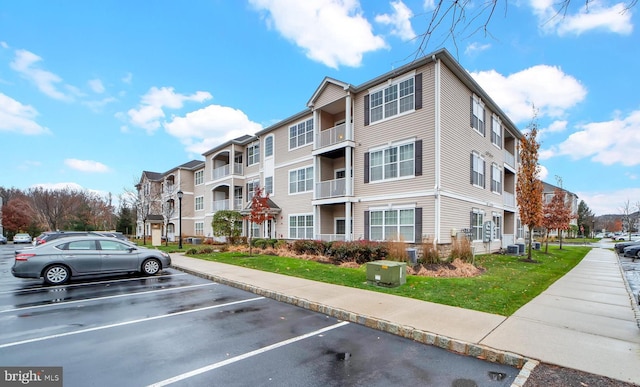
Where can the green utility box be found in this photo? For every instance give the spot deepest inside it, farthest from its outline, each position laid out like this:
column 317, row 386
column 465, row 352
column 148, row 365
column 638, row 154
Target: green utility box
column 387, row 273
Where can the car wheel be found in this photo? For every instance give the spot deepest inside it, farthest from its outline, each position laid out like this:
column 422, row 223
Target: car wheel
column 56, row 275
column 637, row 256
column 150, row 266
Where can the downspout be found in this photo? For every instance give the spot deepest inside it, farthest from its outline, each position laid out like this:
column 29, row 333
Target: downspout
column 437, row 129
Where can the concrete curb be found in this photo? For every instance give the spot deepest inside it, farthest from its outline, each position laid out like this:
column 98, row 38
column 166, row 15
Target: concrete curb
column 481, row 352
column 634, row 305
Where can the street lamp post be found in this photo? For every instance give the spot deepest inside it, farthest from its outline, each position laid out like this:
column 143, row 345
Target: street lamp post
column 180, row 218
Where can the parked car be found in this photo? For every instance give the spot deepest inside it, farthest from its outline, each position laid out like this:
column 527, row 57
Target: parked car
column 3, row 240
column 620, row 246
column 58, row 261
column 632, row 251
column 49, row 236
column 22, row 238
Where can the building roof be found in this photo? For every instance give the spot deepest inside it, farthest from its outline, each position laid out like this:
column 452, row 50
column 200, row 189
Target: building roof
column 550, row 188
column 189, row 165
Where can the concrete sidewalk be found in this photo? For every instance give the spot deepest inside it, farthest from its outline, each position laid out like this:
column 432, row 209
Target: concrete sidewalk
column 583, row 321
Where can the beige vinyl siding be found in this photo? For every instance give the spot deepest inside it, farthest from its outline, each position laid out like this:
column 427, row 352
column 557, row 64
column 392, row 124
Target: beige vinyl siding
column 417, row 125
column 331, row 92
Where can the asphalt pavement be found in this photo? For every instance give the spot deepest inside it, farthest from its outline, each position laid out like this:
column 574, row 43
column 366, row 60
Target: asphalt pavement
column 587, row 320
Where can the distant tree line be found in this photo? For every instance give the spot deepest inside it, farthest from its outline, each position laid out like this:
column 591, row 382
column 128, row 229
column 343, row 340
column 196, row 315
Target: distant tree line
column 37, row 209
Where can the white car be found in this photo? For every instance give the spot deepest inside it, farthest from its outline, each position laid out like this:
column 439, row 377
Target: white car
column 21, row 238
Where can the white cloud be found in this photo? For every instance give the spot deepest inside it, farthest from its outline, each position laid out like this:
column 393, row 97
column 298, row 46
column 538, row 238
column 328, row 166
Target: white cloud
column 610, row 142
column 592, row 16
column 152, row 105
column 97, row 106
column 206, row 128
column 332, row 32
column 59, row 186
column 476, row 47
column 26, row 63
column 543, row 172
column 4, row 45
column 400, row 21
column 554, row 127
column 86, row 165
column 611, row 202
column 127, row 78
column 547, row 88
column 96, row 85
column 19, row 118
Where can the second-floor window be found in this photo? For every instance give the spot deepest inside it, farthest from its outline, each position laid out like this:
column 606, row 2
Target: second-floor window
column 301, row 180
column 477, row 170
column 251, row 189
column 199, row 203
column 301, row 134
column 253, row 153
column 268, row 185
column 496, row 178
column 199, row 177
column 392, row 163
column 392, row 100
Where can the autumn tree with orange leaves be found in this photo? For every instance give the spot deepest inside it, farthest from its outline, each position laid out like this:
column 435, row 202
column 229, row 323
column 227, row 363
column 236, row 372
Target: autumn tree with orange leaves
column 259, row 211
column 529, row 187
column 557, row 215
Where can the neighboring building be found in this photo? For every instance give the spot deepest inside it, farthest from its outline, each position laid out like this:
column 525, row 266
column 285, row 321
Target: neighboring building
column 419, row 153
column 571, row 200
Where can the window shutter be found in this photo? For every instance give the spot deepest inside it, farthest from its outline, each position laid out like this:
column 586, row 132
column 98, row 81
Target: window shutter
column 366, row 167
column 484, row 174
column 366, row 225
column 247, row 192
column 491, row 178
column 366, row 110
column 471, row 111
column 484, row 122
column 418, row 91
column 418, row 158
column 471, row 167
column 418, row 225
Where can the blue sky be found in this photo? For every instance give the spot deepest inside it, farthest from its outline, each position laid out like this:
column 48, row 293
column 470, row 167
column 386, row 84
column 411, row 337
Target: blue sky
column 94, row 92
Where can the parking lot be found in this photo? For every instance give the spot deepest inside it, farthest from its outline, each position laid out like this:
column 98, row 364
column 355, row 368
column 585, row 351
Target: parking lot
column 174, row 328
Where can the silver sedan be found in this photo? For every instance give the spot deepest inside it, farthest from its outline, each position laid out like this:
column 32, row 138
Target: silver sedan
column 86, row 255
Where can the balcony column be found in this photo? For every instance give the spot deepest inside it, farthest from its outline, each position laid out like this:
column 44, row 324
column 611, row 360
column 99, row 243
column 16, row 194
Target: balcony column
column 348, row 163
column 347, row 123
column 347, row 221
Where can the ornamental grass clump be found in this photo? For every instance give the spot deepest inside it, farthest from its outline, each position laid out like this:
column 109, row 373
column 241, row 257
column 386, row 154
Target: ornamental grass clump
column 461, row 249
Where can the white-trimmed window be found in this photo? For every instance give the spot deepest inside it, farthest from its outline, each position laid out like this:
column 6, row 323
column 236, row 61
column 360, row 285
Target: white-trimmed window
column 392, row 225
column 301, row 180
column 392, row 100
column 199, row 177
column 268, row 185
column 392, row 163
column 301, row 134
column 497, row 220
column 268, row 146
column 199, row 228
column 253, row 153
column 477, row 170
column 251, row 189
column 477, row 220
column 496, row 178
column 496, row 131
column 519, row 229
column 301, row 226
column 477, row 115
column 199, row 203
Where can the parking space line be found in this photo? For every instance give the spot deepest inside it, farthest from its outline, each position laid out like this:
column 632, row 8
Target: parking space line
column 78, row 285
column 247, row 355
column 106, row 297
column 34, row 340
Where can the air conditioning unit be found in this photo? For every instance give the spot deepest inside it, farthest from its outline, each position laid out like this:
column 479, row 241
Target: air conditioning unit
column 387, row 273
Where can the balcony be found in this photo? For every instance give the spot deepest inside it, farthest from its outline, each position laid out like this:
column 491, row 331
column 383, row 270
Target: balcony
column 331, row 188
column 509, row 199
column 225, row 171
column 331, row 136
column 509, row 159
column 219, row 205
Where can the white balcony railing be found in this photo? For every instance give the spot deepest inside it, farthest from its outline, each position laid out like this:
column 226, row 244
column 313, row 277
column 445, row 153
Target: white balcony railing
column 509, row 199
column 331, row 237
column 237, row 204
column 331, row 188
column 332, row 136
column 225, row 170
column 509, row 159
column 219, row 205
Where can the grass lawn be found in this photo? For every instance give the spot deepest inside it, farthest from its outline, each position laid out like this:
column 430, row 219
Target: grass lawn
column 505, row 286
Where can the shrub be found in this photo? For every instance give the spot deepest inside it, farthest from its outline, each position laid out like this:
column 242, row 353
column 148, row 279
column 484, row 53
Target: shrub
column 358, row 251
column 397, row 251
column 429, row 252
column 461, row 248
column 308, row 246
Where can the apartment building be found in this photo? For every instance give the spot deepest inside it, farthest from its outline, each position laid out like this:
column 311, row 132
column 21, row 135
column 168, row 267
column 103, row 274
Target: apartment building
column 571, row 201
column 419, row 153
